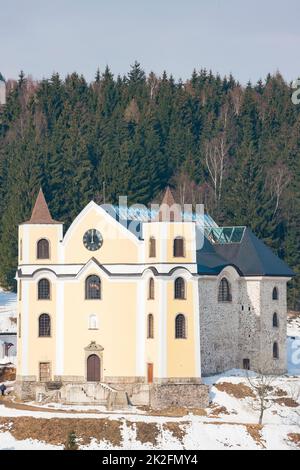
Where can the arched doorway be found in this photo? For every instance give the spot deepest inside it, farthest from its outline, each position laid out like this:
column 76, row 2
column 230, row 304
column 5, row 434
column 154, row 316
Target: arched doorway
column 93, row 368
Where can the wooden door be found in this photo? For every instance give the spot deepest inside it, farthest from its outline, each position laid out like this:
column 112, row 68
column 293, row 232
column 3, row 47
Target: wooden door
column 93, row 368
column 150, row 373
column 45, row 372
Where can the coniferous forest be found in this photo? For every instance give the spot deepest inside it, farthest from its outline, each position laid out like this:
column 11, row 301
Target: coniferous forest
column 234, row 148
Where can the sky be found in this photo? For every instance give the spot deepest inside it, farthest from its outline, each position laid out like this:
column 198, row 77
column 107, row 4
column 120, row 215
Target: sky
column 248, row 38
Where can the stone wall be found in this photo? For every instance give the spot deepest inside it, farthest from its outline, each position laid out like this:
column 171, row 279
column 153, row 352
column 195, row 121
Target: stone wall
column 243, row 328
column 179, row 395
column 219, row 325
column 269, row 334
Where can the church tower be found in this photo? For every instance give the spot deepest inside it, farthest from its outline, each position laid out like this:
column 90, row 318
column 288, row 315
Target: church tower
column 39, row 237
column 170, row 250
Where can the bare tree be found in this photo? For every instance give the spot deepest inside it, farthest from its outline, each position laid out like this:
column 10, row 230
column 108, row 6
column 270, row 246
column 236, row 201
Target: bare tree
column 236, row 95
column 278, row 179
column 261, row 385
column 186, row 190
column 216, row 154
column 153, row 84
column 132, row 112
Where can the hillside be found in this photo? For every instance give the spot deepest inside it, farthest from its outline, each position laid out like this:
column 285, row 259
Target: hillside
column 233, row 148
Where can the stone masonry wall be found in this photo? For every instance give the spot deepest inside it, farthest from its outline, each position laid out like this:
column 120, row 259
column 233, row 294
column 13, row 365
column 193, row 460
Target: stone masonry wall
column 179, row 395
column 219, row 324
column 242, row 329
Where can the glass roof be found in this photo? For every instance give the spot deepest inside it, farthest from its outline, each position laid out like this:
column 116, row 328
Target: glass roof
column 214, row 233
column 224, row 235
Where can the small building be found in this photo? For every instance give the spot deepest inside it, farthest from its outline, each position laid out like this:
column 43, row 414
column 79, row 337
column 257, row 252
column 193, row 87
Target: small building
column 142, row 305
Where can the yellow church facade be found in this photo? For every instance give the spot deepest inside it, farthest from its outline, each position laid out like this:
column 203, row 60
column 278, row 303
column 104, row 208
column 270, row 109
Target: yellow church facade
column 101, row 304
column 134, row 306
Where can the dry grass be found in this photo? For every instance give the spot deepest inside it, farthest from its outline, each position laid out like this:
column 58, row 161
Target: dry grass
column 295, row 438
column 280, row 393
column 145, row 432
column 287, row 401
column 7, row 373
column 239, row 390
column 174, row 412
column 177, row 429
column 217, row 411
column 56, row 430
column 255, row 432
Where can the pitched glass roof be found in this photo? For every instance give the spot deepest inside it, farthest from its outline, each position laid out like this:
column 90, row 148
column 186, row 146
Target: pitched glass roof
column 215, row 234
column 224, row 235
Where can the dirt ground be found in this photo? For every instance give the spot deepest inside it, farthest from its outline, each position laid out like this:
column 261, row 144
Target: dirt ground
column 56, row 430
column 239, row 390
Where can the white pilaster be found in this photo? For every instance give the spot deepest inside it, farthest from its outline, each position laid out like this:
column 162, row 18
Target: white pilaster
column 140, row 328
column 25, row 244
column 25, row 327
column 163, row 241
column 197, row 328
column 59, row 369
column 162, row 329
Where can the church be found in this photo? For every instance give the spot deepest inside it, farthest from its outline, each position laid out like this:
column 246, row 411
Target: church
column 134, row 306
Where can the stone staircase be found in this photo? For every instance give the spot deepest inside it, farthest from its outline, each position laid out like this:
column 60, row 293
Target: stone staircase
column 93, row 393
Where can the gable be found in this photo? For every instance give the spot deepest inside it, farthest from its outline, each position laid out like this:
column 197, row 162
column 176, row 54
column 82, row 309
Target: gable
column 119, row 244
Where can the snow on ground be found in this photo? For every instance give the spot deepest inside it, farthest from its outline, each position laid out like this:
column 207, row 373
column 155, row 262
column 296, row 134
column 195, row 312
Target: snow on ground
column 229, row 422
column 293, row 346
column 8, row 305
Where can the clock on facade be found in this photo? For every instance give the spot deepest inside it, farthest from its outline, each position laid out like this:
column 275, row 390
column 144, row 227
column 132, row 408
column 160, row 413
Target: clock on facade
column 92, row 239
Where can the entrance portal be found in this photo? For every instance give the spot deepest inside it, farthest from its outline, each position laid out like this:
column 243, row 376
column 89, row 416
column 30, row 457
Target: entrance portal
column 93, row 368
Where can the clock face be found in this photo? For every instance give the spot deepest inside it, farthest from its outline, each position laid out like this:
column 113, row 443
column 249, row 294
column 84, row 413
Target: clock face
column 92, row 239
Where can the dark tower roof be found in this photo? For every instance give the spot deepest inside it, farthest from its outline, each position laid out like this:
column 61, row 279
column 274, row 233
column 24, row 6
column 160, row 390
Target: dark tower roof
column 164, row 215
column 40, row 213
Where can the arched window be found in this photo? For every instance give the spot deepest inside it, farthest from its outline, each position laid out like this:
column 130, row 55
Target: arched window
column 275, row 351
column 151, row 289
column 180, row 326
column 93, row 287
column 44, row 325
column 178, row 247
column 179, row 288
column 224, row 292
column 152, row 247
column 93, row 322
column 275, row 320
column 43, row 249
column 275, row 295
column 44, row 289
column 150, row 326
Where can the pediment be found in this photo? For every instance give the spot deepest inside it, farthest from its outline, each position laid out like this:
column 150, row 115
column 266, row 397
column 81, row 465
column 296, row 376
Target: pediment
column 93, row 346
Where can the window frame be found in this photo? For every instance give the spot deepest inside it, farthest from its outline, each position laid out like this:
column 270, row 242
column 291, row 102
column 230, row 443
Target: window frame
column 88, row 289
column 275, row 350
column 37, row 249
column 275, row 293
column 150, row 326
column 151, row 289
column 39, row 326
column 152, row 247
column 275, row 316
column 184, row 288
column 221, row 298
column 38, row 289
column 182, row 239
column 183, row 326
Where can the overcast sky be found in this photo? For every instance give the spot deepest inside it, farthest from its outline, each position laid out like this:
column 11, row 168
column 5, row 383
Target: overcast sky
column 248, row 38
